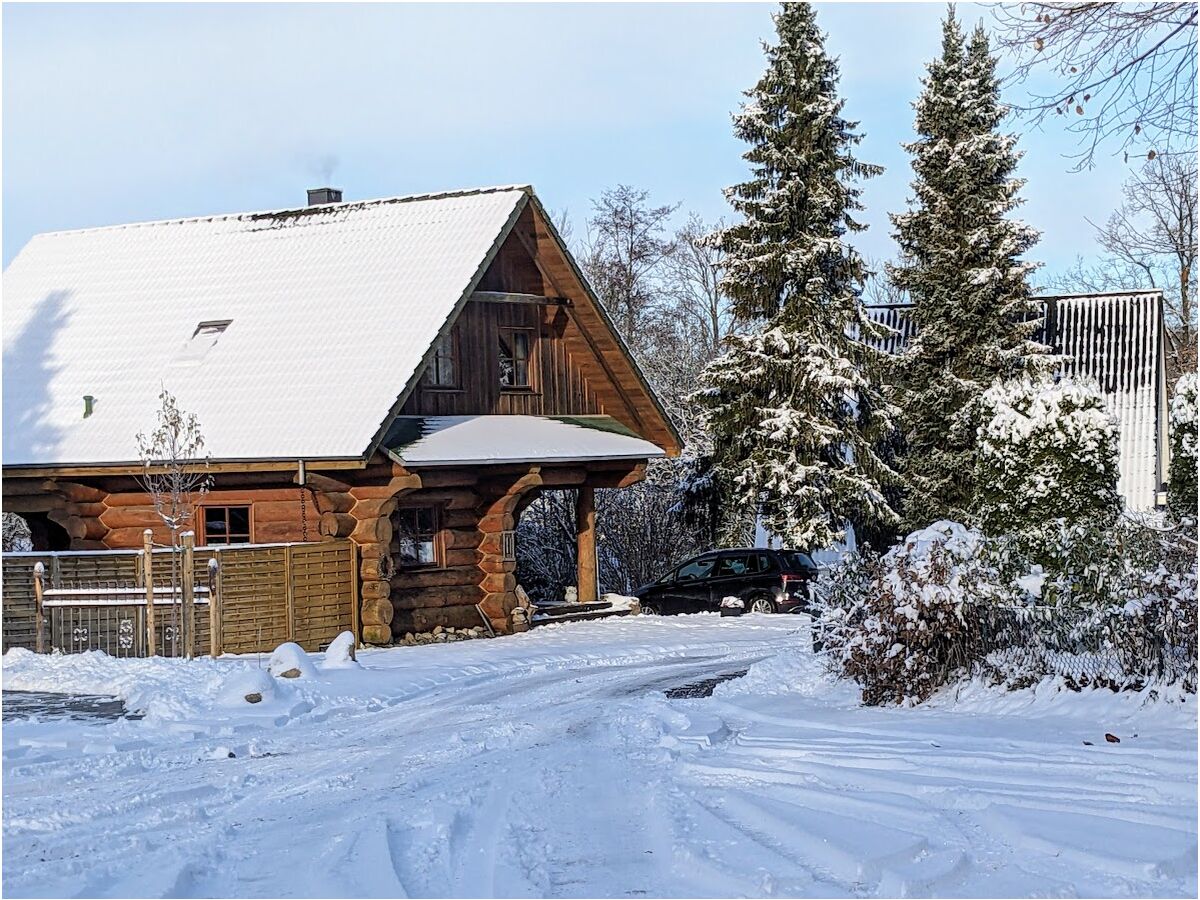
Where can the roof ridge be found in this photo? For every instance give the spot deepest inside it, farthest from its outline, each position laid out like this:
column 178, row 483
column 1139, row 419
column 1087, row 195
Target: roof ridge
column 296, row 210
column 1082, row 295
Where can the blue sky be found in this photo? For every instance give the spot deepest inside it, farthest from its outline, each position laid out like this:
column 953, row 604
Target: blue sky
column 120, row 113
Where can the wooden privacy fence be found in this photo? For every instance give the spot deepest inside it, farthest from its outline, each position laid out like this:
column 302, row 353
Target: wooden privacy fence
column 246, row 598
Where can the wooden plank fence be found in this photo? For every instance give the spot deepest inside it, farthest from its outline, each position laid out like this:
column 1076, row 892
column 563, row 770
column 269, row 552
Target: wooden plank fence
column 260, row 596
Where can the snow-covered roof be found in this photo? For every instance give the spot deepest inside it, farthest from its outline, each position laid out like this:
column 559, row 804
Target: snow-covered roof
column 417, row 441
column 1115, row 339
column 289, row 333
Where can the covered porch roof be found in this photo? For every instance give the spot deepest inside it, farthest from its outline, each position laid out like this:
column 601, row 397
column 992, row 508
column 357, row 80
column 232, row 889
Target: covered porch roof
column 415, row 441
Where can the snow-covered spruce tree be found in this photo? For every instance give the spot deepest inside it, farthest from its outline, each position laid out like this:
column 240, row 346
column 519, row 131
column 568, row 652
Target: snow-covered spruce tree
column 1048, row 454
column 1181, row 490
column 961, row 266
column 793, row 414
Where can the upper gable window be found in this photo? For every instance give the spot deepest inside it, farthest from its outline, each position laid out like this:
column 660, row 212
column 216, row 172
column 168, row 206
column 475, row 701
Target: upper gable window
column 514, row 357
column 443, row 368
column 203, row 339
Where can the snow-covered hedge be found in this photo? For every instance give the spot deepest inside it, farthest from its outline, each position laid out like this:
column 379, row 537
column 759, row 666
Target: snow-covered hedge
column 1114, row 606
column 1182, row 486
column 17, row 536
column 1047, row 451
column 904, row 624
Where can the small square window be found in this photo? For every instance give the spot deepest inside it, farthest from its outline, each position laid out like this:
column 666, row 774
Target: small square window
column 514, row 358
column 418, row 537
column 226, row 525
column 203, row 339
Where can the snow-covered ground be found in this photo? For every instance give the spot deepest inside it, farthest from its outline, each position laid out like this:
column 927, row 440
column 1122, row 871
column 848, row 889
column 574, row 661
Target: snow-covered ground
column 553, row 764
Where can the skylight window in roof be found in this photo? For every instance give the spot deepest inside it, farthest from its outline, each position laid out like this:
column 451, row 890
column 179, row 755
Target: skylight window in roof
column 203, row 339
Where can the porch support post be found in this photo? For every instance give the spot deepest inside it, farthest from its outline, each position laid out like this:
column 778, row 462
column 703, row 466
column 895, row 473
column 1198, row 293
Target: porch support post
column 585, row 537
column 370, row 516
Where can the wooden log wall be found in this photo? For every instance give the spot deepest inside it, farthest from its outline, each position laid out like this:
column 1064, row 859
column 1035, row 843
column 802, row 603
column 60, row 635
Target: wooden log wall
column 446, row 595
column 98, row 518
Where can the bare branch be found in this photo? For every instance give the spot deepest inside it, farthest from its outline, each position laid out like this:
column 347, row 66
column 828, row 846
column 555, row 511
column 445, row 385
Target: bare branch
column 1126, row 71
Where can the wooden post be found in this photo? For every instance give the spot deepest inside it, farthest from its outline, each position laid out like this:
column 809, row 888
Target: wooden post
column 214, row 607
column 189, row 594
column 39, row 616
column 148, row 570
column 585, row 536
column 355, row 623
column 290, row 595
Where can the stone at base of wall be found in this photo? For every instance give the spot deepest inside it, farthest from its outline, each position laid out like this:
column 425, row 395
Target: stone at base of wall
column 441, row 635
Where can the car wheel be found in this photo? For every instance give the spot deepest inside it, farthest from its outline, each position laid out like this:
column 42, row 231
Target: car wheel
column 649, row 609
column 761, row 604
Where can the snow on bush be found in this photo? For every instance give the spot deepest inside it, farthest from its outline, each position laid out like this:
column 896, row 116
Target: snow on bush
column 1047, row 450
column 340, row 654
column 1132, row 588
column 17, row 537
column 290, row 661
column 1114, row 606
column 249, row 686
column 901, row 625
column 1182, row 486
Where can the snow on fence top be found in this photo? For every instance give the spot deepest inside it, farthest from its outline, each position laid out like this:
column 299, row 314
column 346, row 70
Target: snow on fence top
column 269, row 326
column 1115, row 339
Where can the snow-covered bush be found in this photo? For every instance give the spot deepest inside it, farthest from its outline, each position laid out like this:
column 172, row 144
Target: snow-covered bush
column 1047, row 451
column 1131, row 586
column 905, row 624
column 289, row 660
column 1114, row 605
column 17, row 536
column 1182, row 487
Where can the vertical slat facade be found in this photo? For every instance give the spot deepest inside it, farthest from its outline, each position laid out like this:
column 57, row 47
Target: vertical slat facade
column 1116, row 341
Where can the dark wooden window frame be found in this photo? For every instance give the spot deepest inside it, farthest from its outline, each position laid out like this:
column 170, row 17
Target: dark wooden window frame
column 429, row 382
column 530, row 333
column 202, row 529
column 437, row 536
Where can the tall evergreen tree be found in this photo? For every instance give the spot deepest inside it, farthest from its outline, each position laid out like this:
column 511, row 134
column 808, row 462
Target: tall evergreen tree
column 961, row 266
column 794, row 417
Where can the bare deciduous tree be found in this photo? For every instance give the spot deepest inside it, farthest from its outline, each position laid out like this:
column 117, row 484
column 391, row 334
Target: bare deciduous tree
column 174, row 474
column 1150, row 240
column 623, row 254
column 1125, row 71
column 693, row 273
column 1154, row 230
column 174, row 465
column 880, row 289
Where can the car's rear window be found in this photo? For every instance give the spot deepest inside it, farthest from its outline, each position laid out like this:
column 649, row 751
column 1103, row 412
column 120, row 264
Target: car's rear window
column 795, row 560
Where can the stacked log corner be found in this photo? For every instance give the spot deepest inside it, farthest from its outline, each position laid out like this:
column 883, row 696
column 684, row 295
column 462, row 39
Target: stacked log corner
column 368, row 523
column 498, row 514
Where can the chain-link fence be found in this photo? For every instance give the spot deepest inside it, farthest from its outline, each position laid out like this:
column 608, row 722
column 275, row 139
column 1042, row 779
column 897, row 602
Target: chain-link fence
column 1116, row 647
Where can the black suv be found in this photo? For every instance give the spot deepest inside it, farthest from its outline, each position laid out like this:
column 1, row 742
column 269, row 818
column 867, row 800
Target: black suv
column 733, row 582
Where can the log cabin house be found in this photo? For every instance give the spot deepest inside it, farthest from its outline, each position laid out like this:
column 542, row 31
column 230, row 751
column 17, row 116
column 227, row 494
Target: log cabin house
column 407, row 372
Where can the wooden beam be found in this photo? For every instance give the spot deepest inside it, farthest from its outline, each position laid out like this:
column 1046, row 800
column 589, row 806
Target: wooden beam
column 319, row 482
column 585, row 538
column 510, row 297
column 256, row 465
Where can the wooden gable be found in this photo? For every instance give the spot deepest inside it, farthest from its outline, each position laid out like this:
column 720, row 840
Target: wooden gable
column 578, row 364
